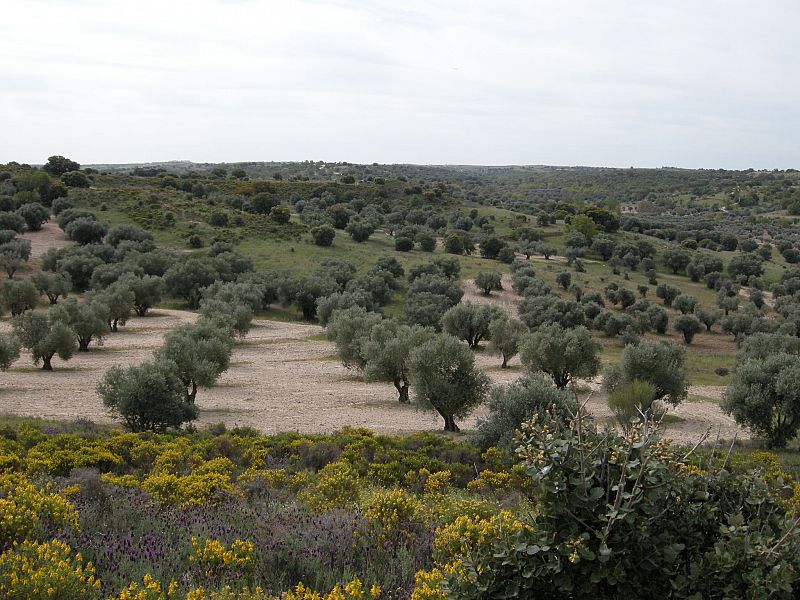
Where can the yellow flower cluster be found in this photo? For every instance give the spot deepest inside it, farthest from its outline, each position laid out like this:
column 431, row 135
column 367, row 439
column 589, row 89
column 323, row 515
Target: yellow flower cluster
column 466, row 533
column 212, row 556
column 394, row 512
column 25, row 510
column 126, row 481
column 149, row 589
column 186, row 490
column 272, row 478
column 336, row 486
column 354, row 590
column 59, row 454
column 428, row 585
column 33, row 570
column 438, row 482
column 491, row 481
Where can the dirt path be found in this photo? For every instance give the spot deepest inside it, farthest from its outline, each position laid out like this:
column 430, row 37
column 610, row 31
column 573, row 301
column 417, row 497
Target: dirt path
column 50, row 236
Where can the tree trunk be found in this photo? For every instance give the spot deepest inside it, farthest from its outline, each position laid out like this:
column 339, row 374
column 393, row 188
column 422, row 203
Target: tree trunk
column 450, row 423
column 505, row 362
column 561, row 380
column 83, row 344
column 46, row 364
column 402, row 391
column 190, row 396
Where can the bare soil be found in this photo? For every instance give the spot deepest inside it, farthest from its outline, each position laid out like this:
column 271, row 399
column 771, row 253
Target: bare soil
column 283, row 377
column 50, row 236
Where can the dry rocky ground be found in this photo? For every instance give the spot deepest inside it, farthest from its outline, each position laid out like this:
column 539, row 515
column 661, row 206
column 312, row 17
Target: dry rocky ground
column 283, row 377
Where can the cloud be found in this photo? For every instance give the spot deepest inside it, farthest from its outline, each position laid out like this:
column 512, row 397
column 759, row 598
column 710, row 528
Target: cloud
column 615, row 83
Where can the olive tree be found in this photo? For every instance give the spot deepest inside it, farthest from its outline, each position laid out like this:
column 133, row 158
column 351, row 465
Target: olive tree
column 488, row 281
column 348, row 328
column 708, row 317
column 660, row 363
column 544, row 310
column 45, row 335
column 564, row 354
column 13, row 254
column 147, row 397
column 339, row 300
column 685, row 303
column 186, row 279
column 119, row 299
column 52, row 285
column 676, row 259
column 9, row 351
column 87, row 319
column 387, row 350
column 426, row 309
column 200, row 351
column 35, row 215
column 445, row 379
column 746, row 265
column 147, row 291
column 505, row 336
column 306, row 291
column 18, row 296
column 86, row 231
column 667, row 293
column 470, row 322
column 764, row 395
column 688, row 326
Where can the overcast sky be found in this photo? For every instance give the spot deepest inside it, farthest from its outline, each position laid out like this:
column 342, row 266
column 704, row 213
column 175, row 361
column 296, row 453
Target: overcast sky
column 690, row 83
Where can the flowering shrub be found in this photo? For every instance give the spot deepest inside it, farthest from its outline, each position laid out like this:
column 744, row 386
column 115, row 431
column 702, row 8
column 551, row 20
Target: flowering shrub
column 189, row 489
column 32, row 570
column 354, row 590
column 466, row 534
column 60, row 454
column 27, row 512
column 149, row 589
column 428, row 585
column 217, row 561
column 336, row 487
column 396, row 514
column 616, row 518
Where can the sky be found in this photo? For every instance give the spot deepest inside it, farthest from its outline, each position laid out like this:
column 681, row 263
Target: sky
column 711, row 84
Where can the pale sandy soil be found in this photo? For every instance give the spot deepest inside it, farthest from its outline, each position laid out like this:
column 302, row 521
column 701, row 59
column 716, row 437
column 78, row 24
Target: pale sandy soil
column 50, row 236
column 505, row 298
column 769, row 299
column 283, row 377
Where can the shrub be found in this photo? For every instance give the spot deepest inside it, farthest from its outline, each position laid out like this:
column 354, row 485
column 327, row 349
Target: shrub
column 564, row 354
column 86, row 231
column 150, row 396
column 511, row 405
column 688, row 325
column 659, row 363
column 764, row 395
column 488, row 281
column 632, row 401
column 323, row 235
column 579, row 545
column 34, row 570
